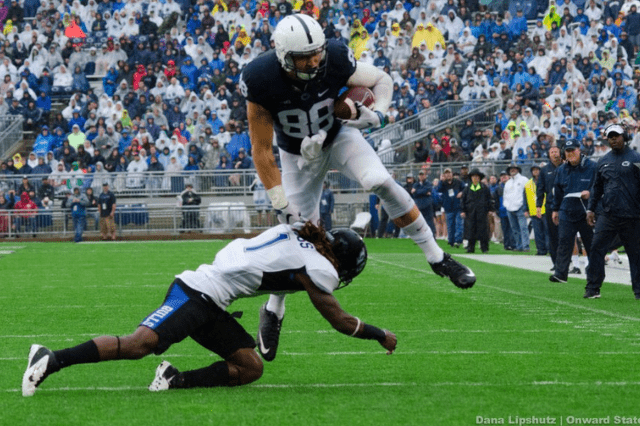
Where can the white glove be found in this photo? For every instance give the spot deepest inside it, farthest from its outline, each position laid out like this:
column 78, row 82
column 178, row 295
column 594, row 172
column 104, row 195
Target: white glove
column 289, row 214
column 366, row 118
column 311, row 147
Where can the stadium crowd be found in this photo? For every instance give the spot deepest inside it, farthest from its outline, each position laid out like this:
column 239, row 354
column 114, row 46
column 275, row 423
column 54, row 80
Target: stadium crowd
column 170, row 99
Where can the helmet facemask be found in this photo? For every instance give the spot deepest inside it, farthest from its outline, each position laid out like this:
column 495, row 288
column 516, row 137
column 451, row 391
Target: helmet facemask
column 351, row 253
column 289, row 64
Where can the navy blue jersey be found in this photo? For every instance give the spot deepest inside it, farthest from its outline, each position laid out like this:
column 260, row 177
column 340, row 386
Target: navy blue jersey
column 299, row 109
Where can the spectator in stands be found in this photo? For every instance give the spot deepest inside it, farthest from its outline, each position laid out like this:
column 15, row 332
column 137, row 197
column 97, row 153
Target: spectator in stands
column 46, row 191
column 76, row 138
column 41, row 168
column 7, row 202
column 25, row 186
column 173, row 169
column 62, row 78
column 26, row 213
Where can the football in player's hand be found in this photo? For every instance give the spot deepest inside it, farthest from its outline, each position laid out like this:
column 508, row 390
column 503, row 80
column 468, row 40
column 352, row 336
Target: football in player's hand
column 345, row 106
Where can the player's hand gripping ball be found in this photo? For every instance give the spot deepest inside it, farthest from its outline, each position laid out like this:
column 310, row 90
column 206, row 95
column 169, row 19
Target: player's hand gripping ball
column 345, row 106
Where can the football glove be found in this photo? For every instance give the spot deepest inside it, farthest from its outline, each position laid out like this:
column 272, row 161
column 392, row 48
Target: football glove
column 367, row 119
column 288, row 214
column 311, row 148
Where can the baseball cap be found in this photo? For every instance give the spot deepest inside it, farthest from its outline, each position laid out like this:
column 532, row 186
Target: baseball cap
column 571, row 144
column 447, row 170
column 614, row 128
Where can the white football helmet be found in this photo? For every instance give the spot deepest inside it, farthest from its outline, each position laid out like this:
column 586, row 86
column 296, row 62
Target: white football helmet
column 299, row 35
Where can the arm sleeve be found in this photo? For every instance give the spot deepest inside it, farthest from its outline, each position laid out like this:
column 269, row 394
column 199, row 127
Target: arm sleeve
column 597, row 190
column 558, row 194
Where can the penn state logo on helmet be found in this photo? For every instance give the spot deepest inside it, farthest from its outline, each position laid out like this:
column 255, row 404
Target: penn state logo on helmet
column 349, row 249
column 299, row 35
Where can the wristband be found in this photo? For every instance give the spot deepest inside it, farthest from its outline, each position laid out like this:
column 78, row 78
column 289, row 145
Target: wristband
column 371, row 332
column 277, row 197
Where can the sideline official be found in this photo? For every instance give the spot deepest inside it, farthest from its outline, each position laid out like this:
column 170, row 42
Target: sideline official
column 571, row 190
column 617, row 187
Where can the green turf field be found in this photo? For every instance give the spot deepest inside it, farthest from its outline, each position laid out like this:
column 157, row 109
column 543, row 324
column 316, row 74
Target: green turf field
column 513, row 348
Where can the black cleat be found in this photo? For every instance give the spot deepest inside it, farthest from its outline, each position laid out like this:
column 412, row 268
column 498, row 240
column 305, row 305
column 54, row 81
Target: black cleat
column 575, row 270
column 557, row 279
column 42, row 362
column 268, row 334
column 591, row 293
column 460, row 275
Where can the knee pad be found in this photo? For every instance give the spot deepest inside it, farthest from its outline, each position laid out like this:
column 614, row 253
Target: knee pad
column 397, row 202
column 372, row 179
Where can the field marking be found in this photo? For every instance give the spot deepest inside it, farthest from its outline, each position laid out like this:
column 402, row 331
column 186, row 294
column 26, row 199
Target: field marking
column 397, row 353
column 614, row 274
column 212, row 240
column 356, row 385
column 527, row 295
column 515, row 331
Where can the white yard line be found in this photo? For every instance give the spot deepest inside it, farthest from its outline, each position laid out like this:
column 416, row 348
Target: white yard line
column 487, row 259
column 360, row 385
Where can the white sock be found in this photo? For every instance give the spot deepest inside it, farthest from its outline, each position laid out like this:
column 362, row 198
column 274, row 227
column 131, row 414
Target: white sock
column 584, row 262
column 574, row 260
column 420, row 232
column 276, row 305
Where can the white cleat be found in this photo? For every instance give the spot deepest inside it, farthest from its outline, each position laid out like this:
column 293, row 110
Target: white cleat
column 41, row 363
column 164, row 375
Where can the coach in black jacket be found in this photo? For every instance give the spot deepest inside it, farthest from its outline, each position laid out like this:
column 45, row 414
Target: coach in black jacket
column 571, row 190
column 617, row 187
column 544, row 189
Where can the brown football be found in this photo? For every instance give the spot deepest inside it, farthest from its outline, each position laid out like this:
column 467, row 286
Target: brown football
column 345, row 106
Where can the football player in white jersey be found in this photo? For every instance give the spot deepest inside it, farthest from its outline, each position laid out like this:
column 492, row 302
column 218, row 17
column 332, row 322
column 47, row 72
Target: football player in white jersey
column 283, row 259
column 291, row 90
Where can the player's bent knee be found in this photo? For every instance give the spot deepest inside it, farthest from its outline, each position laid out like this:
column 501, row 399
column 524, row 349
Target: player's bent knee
column 248, row 364
column 372, row 180
column 139, row 344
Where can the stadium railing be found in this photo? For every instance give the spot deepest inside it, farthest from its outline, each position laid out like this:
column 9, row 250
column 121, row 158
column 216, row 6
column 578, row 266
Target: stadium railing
column 147, row 220
column 405, row 133
column 217, row 182
column 10, row 133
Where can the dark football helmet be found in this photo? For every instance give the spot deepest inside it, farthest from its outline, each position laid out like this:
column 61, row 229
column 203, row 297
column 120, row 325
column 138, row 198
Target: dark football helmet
column 349, row 249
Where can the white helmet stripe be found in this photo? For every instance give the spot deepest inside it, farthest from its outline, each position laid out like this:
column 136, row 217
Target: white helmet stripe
column 306, row 28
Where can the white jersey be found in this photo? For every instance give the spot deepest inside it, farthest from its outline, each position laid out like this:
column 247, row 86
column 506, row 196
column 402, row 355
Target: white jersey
column 265, row 264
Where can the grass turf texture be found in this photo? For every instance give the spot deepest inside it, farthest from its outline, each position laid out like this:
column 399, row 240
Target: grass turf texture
column 514, row 345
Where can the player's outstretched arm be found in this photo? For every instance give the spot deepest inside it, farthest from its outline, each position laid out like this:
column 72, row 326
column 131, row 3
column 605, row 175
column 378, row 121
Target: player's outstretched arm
column 378, row 81
column 261, row 135
column 344, row 322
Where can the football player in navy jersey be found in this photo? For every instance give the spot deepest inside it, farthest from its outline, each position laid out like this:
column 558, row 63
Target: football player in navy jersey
column 285, row 258
column 291, row 90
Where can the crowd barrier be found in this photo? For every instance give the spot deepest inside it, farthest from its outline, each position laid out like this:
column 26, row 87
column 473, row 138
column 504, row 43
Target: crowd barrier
column 149, row 220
